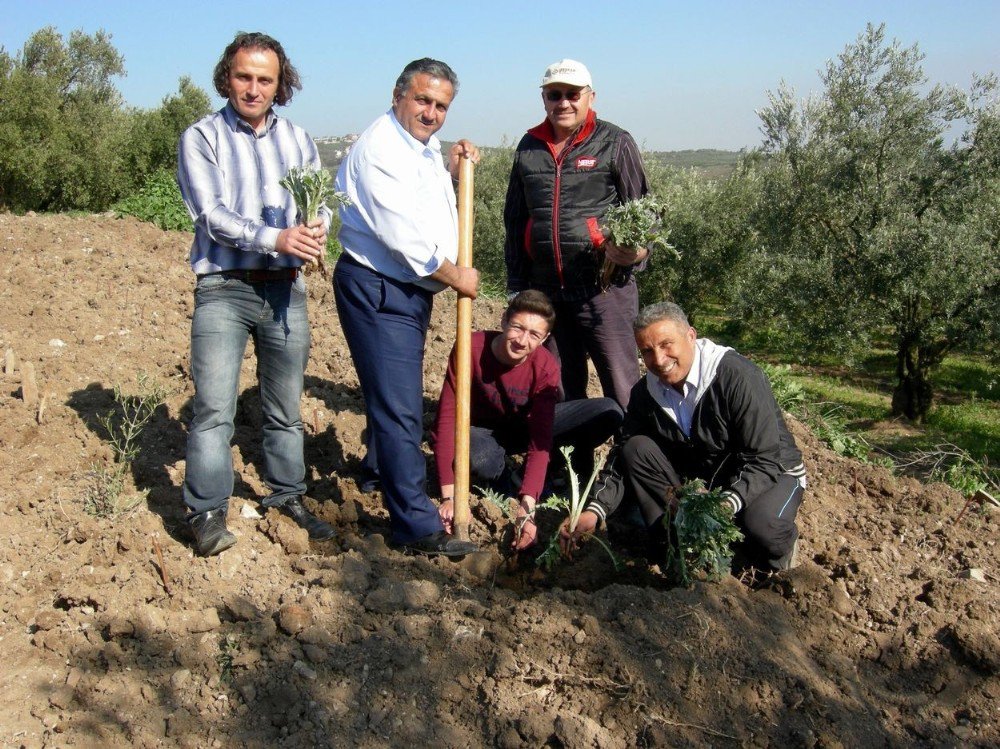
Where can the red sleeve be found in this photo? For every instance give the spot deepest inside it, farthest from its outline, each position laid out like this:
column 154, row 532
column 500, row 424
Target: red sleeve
column 540, row 418
column 443, row 434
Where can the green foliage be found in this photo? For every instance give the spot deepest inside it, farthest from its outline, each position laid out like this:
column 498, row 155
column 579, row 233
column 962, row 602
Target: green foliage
column 702, row 535
column 874, row 224
column 312, row 190
column 67, row 140
column 965, row 476
column 708, row 224
column 506, row 505
column 154, row 133
column 159, row 202
column 955, row 467
column 829, row 424
column 636, row 223
column 787, row 392
column 491, row 176
column 828, row 421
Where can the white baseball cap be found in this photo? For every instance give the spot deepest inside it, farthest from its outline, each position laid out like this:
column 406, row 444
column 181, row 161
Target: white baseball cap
column 567, row 71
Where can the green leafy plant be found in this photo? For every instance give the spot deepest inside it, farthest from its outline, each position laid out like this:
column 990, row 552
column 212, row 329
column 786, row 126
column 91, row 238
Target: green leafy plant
column 636, row 223
column 159, row 202
column 574, row 507
column 229, row 648
column 506, row 505
column 829, row 423
column 312, row 189
column 703, row 534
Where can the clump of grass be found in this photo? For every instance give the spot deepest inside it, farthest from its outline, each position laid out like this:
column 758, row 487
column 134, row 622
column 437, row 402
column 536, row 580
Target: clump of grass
column 702, row 535
column 827, row 420
column 123, row 424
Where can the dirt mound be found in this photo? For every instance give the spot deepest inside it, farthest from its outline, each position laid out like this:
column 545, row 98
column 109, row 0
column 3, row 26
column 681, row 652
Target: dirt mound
column 887, row 634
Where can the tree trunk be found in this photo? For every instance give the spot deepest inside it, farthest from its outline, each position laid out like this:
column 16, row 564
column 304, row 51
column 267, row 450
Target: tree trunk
column 913, row 394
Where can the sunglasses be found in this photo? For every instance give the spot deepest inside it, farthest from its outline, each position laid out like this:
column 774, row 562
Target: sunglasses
column 555, row 95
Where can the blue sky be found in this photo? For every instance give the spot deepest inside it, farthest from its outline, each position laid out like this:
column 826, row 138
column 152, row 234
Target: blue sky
column 676, row 74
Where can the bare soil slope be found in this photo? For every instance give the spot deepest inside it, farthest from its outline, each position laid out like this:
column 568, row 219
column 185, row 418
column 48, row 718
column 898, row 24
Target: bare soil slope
column 880, row 637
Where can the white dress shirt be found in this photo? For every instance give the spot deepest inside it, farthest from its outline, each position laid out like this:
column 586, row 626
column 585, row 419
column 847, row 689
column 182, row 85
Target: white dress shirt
column 402, row 221
column 679, row 404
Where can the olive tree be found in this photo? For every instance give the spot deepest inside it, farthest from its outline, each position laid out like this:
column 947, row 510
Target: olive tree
column 67, row 139
column 877, row 218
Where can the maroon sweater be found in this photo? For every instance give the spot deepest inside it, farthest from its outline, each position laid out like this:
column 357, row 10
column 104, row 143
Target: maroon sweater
column 511, row 399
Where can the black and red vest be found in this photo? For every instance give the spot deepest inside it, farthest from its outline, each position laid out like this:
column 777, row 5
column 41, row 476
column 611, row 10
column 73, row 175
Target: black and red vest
column 566, row 198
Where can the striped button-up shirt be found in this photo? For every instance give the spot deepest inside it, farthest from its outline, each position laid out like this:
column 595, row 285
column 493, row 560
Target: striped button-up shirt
column 228, row 175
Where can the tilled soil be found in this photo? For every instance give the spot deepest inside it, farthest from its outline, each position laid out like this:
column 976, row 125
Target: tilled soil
column 114, row 634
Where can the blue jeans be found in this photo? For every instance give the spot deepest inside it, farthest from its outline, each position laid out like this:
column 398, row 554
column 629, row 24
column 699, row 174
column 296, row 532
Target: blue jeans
column 385, row 323
column 227, row 312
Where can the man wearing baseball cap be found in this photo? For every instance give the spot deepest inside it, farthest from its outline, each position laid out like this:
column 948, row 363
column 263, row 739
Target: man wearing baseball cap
column 568, row 171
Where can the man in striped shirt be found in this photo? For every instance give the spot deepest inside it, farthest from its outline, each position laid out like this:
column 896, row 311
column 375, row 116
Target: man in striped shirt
column 247, row 255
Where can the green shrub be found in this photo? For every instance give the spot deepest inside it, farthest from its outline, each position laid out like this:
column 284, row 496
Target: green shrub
column 158, row 202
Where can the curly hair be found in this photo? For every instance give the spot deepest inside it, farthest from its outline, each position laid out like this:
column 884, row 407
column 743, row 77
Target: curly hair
column 288, row 76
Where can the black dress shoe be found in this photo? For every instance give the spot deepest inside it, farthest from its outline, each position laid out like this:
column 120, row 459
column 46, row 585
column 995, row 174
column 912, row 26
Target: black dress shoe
column 319, row 530
column 369, row 482
column 441, row 544
column 210, row 534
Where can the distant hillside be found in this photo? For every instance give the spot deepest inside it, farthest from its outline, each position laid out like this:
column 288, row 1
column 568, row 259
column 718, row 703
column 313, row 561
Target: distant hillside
column 709, row 162
column 333, row 149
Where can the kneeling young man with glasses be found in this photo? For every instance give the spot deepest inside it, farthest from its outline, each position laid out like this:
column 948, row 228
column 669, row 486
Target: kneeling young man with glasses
column 514, row 409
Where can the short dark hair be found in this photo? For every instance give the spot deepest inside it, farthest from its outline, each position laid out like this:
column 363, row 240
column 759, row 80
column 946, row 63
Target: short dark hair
column 288, row 76
column 429, row 66
column 659, row 312
column 533, row 302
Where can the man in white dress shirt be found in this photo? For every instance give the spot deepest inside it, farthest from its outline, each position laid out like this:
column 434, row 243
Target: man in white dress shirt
column 400, row 239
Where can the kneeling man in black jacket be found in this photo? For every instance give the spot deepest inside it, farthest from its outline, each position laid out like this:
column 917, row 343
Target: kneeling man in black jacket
column 702, row 411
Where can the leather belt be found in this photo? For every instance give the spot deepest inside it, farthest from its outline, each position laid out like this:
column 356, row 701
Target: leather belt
column 259, row 275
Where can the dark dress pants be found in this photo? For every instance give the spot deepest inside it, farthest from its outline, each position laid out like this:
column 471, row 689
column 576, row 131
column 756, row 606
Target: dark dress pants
column 584, row 424
column 385, row 323
column 601, row 328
